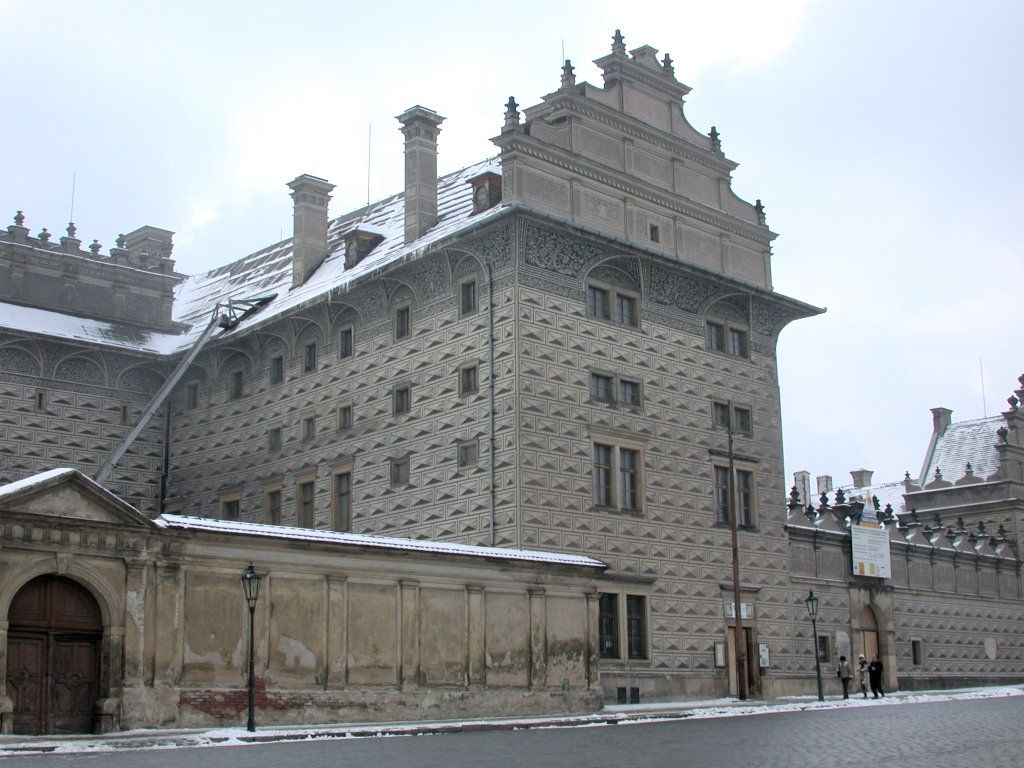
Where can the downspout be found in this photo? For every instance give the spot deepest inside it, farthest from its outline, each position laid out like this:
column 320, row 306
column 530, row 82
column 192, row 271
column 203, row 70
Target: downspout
column 490, row 387
column 167, row 457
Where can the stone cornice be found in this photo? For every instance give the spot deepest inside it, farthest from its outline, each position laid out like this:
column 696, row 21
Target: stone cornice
column 577, row 164
column 56, row 261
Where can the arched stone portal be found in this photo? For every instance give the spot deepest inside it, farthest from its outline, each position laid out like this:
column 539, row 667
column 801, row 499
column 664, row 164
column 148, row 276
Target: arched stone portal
column 53, row 656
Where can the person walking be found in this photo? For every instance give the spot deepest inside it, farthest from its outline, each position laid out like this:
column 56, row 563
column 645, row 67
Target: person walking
column 875, row 674
column 844, row 672
column 862, row 674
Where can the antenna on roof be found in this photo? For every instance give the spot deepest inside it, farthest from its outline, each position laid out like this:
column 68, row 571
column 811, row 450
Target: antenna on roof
column 74, row 175
column 369, row 155
column 563, row 51
column 984, row 407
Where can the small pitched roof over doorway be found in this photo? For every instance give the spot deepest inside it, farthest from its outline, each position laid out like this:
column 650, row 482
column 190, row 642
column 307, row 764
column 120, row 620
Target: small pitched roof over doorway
column 68, row 493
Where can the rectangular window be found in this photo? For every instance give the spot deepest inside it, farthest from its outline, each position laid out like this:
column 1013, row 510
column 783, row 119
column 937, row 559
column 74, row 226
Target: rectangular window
column 402, row 399
column 716, row 337
column 599, row 302
column 608, row 626
column 400, row 471
column 743, row 422
column 629, row 392
column 344, row 416
column 824, row 648
column 737, row 342
column 744, row 497
column 721, row 494
column 469, row 454
column 126, row 414
column 655, row 233
column 274, row 439
column 625, row 310
column 308, row 429
column 402, row 325
column 628, row 478
column 468, row 380
column 191, row 396
column 721, row 415
column 602, row 475
column 235, row 385
column 916, row 653
column 309, row 358
column 273, row 504
column 305, row 517
column 343, row 501
column 41, row 400
column 345, row 343
column 636, row 626
column 602, row 387
column 276, row 371
column 467, row 298
column 230, row 509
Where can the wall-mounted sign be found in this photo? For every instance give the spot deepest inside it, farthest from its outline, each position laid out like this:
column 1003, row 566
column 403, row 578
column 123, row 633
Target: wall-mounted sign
column 871, row 551
column 746, row 610
column 764, row 659
column 720, row 655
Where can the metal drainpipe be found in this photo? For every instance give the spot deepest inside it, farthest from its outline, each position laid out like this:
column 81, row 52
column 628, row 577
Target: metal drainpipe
column 490, row 382
column 167, row 457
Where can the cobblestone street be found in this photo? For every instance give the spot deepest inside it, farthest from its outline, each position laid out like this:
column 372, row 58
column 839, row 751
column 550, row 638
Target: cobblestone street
column 951, row 734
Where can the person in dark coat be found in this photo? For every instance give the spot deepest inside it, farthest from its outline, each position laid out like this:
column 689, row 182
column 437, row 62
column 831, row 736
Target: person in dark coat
column 875, row 676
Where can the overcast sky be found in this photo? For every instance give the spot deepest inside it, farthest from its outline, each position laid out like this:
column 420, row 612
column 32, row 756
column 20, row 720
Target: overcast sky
column 885, row 139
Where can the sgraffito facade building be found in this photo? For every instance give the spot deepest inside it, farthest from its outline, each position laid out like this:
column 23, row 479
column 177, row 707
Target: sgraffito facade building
column 539, row 352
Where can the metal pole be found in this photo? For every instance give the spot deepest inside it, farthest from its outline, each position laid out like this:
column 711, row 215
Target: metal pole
column 817, row 657
column 739, row 639
column 251, row 725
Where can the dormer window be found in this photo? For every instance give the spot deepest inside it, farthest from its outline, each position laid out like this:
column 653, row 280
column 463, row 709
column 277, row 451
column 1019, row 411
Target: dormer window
column 486, row 190
column 360, row 242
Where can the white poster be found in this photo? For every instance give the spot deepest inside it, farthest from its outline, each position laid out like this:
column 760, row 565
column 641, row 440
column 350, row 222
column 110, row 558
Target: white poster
column 871, row 551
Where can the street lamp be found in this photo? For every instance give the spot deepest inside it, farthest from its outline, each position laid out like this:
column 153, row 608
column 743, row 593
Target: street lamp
column 812, row 610
column 251, row 589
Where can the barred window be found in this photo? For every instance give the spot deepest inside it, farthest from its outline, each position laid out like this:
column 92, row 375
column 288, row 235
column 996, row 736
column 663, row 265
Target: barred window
column 276, row 371
column 636, row 626
column 345, row 343
column 309, row 358
column 403, row 326
column 608, row 626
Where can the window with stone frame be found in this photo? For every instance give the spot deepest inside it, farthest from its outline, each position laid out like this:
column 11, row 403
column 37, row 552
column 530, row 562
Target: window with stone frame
column 274, row 439
column 636, row 626
column 468, row 453
column 346, row 343
column 467, row 297
column 308, row 428
column 742, row 418
column 236, row 387
column 402, row 399
column 342, row 511
column 41, row 400
column 468, row 383
column 727, row 338
column 599, row 302
column 191, row 396
column 630, row 392
column 272, row 505
column 344, row 417
column 617, row 477
column 602, row 387
column 403, row 322
column 626, row 312
column 745, row 512
column 613, row 304
column 305, row 504
column 277, row 370
column 309, row 357
column 824, row 648
column 231, row 507
column 608, row 625
column 399, row 471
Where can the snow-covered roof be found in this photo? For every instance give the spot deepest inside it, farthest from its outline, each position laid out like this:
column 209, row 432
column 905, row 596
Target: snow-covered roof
column 33, row 481
column 269, row 271
column 965, row 441
column 887, row 493
column 185, row 522
column 100, row 332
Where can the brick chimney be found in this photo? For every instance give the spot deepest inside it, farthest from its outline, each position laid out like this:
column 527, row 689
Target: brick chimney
column 861, row 477
column 311, row 196
column 420, row 127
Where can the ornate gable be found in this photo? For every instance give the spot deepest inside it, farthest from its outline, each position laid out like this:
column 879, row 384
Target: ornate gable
column 67, row 493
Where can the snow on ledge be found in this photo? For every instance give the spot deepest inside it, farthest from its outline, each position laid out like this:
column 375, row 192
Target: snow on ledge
column 186, row 522
column 38, row 479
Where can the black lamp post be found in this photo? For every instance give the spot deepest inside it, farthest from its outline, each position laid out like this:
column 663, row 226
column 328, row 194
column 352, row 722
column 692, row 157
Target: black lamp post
column 251, row 589
column 812, row 610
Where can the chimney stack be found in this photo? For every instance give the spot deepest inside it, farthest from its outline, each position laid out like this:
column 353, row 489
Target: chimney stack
column 420, row 127
column 802, row 481
column 861, row 477
column 824, row 484
column 309, row 239
column 941, row 418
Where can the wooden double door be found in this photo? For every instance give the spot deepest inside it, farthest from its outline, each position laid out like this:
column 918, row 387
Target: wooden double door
column 53, row 657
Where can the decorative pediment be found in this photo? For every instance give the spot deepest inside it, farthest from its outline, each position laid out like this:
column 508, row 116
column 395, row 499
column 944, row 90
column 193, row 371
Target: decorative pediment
column 68, row 494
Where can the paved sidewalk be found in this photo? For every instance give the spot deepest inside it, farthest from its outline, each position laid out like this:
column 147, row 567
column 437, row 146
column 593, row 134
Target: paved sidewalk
column 610, row 715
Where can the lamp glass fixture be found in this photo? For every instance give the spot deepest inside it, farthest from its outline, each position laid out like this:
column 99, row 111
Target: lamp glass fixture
column 251, row 585
column 812, row 605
